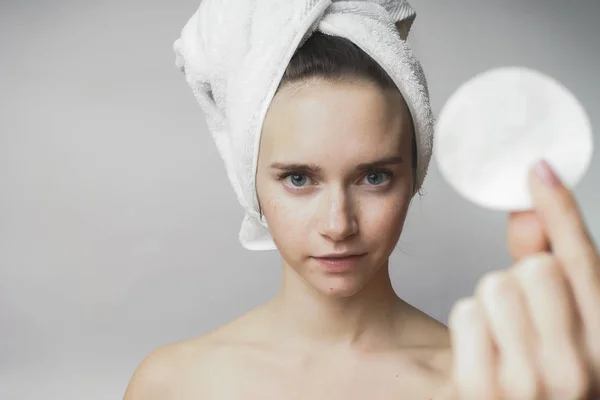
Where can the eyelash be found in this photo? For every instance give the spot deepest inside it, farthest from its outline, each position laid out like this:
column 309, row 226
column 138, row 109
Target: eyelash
column 389, row 173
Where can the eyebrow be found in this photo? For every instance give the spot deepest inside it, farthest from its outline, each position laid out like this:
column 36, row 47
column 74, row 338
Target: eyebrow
column 315, row 169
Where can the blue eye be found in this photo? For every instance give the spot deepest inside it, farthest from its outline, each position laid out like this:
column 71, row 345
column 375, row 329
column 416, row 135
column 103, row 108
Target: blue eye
column 378, row 173
column 299, row 179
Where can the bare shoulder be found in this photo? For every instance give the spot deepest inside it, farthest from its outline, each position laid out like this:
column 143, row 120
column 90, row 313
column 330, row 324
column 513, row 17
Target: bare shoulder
column 161, row 372
column 152, row 377
column 436, row 337
column 184, row 369
column 440, row 336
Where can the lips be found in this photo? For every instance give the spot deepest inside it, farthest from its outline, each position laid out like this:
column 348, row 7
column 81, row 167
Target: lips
column 339, row 264
column 340, row 256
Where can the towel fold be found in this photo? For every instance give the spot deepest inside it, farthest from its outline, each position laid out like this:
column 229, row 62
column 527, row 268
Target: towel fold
column 234, row 53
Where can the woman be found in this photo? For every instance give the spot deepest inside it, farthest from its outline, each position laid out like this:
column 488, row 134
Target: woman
column 335, row 177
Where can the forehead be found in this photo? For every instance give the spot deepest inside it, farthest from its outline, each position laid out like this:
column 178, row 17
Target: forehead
column 350, row 117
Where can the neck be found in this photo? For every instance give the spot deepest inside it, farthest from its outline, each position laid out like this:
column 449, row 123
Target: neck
column 368, row 319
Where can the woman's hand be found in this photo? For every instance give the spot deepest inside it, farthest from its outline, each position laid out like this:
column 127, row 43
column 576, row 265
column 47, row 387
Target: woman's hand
column 533, row 331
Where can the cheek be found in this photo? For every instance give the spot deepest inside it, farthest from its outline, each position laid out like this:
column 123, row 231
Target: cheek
column 287, row 223
column 383, row 219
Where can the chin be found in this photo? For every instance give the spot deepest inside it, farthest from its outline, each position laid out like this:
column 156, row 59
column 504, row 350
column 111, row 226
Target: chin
column 339, row 285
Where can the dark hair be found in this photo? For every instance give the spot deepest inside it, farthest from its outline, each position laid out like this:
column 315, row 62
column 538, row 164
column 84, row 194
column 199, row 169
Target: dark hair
column 335, row 59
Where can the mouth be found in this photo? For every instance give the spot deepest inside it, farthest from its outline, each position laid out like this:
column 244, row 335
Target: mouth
column 339, row 264
column 337, row 258
column 333, row 256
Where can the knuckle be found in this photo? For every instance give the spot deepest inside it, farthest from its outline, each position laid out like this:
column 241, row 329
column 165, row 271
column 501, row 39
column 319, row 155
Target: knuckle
column 490, row 282
column 522, row 383
column 461, row 307
column 544, row 259
column 567, row 377
column 541, row 266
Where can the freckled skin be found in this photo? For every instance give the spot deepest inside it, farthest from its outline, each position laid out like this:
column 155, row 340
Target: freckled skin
column 344, row 125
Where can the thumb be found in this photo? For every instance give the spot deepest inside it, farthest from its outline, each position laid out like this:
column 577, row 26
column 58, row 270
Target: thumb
column 525, row 234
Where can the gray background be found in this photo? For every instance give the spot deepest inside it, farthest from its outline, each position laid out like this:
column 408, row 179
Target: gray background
column 118, row 229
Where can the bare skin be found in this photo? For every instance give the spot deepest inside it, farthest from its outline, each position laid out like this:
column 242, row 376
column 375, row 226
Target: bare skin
column 326, row 335
column 242, row 360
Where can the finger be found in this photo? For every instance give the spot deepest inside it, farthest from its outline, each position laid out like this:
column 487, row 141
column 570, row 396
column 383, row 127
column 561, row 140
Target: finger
column 525, row 234
column 512, row 330
column 572, row 245
column 554, row 317
column 474, row 358
column 564, row 226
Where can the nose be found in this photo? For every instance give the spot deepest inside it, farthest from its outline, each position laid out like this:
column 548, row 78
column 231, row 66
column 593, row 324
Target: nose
column 338, row 220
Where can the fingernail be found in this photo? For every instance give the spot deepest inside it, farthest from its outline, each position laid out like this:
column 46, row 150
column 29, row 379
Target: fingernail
column 545, row 173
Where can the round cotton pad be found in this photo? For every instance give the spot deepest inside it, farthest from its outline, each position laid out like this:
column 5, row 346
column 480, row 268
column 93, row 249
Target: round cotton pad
column 496, row 126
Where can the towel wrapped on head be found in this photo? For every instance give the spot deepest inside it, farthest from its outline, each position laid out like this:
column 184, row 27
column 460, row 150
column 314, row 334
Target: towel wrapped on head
column 235, row 52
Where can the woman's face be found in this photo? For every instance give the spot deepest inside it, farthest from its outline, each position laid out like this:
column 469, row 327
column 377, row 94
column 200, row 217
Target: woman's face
column 318, row 187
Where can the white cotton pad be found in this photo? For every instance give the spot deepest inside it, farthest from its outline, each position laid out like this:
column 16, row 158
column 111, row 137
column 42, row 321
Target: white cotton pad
column 496, row 126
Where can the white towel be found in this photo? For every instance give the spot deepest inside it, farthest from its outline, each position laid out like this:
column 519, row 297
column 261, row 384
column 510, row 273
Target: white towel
column 234, row 53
